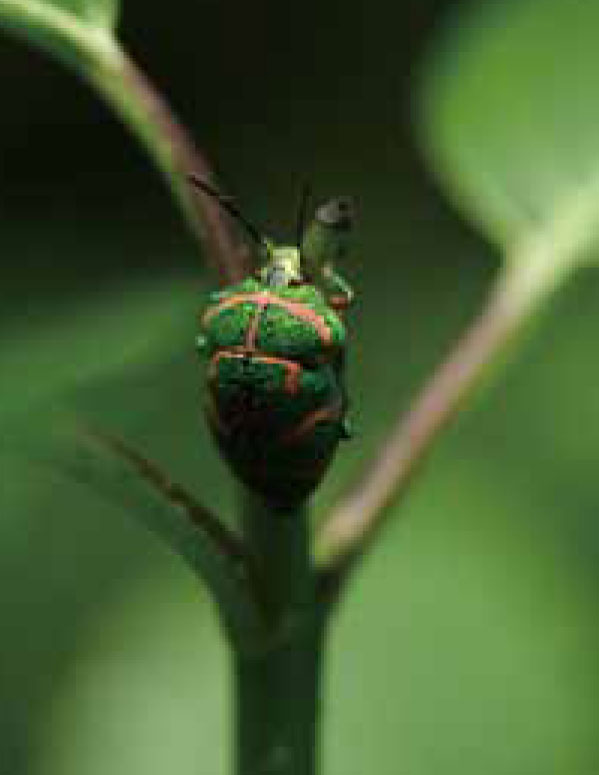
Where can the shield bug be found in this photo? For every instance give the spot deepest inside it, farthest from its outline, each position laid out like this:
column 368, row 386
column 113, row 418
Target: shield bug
column 275, row 350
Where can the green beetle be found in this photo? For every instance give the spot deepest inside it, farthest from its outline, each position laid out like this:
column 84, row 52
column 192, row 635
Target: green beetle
column 275, row 346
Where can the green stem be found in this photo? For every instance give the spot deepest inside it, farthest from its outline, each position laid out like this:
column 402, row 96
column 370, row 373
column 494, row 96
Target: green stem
column 529, row 276
column 86, row 43
column 131, row 95
column 277, row 684
column 277, row 709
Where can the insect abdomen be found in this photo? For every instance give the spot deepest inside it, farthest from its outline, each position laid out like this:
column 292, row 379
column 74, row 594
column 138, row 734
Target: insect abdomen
column 275, row 401
column 277, row 422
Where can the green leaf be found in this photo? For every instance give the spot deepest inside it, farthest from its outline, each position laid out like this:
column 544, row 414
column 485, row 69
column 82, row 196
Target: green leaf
column 100, row 13
column 509, row 117
column 122, row 477
column 85, row 340
column 79, row 32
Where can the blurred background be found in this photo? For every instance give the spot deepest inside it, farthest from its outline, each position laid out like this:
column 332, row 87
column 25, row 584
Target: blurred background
column 468, row 641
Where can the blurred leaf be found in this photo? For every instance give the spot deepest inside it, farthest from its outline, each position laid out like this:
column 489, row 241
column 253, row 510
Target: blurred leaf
column 70, row 29
column 81, row 34
column 97, row 13
column 101, row 13
column 151, row 676
column 509, row 118
column 467, row 645
column 88, row 339
column 120, row 475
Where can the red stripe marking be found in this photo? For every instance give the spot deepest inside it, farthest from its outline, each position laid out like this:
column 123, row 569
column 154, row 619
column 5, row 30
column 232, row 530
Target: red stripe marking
column 311, row 420
column 296, row 308
column 292, row 370
column 252, row 332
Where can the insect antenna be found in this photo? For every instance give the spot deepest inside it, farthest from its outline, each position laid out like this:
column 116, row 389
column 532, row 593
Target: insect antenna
column 302, row 213
column 229, row 204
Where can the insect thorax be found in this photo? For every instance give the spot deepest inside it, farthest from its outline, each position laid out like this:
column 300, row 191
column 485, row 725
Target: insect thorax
column 283, row 267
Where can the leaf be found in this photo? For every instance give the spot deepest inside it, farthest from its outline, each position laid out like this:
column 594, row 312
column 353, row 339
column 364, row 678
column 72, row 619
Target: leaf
column 122, row 477
column 79, row 32
column 87, row 339
column 99, row 13
column 509, row 116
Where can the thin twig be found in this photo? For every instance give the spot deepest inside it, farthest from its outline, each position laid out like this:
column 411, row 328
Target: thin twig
column 199, row 515
column 120, row 475
column 93, row 51
column 356, row 520
column 228, row 254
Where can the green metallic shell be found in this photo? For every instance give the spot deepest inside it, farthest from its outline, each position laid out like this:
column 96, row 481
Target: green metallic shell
column 276, row 396
column 280, row 334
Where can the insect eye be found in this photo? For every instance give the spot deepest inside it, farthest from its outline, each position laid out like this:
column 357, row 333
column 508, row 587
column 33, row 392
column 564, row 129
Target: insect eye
column 345, row 212
column 337, row 213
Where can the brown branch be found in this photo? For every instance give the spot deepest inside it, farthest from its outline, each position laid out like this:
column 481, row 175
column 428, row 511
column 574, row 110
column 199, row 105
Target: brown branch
column 227, row 253
column 199, row 515
column 94, row 53
column 130, row 93
column 357, row 519
column 121, row 475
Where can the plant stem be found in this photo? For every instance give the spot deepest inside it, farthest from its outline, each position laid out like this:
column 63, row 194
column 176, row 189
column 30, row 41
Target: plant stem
column 527, row 279
column 144, row 111
column 277, row 683
column 277, row 708
column 88, row 45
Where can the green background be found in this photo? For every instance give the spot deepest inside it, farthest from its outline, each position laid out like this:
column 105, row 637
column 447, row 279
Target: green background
column 468, row 641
